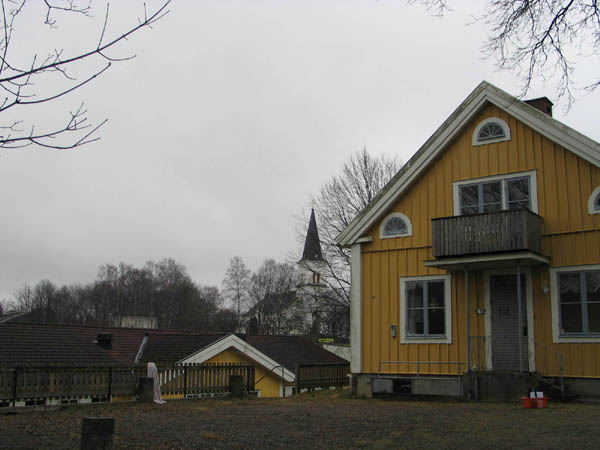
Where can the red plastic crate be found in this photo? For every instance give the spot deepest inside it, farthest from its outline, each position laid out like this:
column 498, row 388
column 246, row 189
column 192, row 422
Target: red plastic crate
column 534, row 403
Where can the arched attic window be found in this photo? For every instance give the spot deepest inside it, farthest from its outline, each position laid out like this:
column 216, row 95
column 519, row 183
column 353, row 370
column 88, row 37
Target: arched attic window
column 395, row 225
column 594, row 202
column 491, row 130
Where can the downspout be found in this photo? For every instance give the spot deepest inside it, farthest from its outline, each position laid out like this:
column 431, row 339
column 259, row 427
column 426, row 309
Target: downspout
column 140, row 351
column 519, row 302
column 468, row 308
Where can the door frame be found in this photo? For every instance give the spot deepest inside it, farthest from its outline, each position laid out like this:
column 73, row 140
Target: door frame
column 487, row 274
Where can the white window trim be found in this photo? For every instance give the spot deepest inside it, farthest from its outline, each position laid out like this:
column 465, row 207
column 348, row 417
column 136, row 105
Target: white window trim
column 592, row 200
column 406, row 220
column 532, row 174
column 447, row 310
column 498, row 120
column 555, row 299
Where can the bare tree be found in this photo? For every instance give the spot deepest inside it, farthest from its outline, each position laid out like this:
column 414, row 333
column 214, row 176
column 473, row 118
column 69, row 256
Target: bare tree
column 44, row 79
column 337, row 203
column 539, row 38
column 272, row 296
column 237, row 283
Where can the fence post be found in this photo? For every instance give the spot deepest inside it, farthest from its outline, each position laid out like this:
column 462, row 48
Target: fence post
column 110, row 373
column 297, row 376
column 184, row 381
column 248, row 380
column 14, row 386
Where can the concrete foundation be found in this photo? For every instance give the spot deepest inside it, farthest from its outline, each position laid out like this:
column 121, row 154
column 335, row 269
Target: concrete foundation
column 364, row 387
column 498, row 385
column 503, row 386
column 447, row 387
column 383, row 386
column 582, row 387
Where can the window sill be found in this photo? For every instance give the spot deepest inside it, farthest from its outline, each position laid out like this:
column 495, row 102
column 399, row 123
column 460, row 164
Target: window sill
column 425, row 340
column 566, row 339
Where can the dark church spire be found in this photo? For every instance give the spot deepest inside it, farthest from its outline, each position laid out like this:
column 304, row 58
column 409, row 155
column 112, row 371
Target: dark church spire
column 312, row 246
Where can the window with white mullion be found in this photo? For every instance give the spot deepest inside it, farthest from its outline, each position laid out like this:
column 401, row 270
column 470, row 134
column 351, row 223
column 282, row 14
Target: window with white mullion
column 495, row 195
column 592, row 301
column 425, row 308
column 517, row 193
column 579, row 302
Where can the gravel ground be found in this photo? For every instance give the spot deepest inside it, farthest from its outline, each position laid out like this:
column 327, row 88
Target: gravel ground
column 328, row 420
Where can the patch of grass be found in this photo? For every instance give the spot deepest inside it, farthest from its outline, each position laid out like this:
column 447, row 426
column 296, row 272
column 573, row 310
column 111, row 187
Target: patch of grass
column 210, row 436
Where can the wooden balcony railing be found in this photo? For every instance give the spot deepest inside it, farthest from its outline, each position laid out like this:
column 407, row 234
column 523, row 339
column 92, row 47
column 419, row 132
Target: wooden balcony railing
column 498, row 232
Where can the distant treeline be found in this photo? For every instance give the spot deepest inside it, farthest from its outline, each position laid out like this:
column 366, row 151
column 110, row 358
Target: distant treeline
column 162, row 290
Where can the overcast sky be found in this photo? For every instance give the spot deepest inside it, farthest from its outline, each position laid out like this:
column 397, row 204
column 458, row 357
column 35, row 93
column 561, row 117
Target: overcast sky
column 230, row 116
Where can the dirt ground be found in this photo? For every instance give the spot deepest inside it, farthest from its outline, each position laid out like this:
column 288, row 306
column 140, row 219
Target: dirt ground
column 328, row 420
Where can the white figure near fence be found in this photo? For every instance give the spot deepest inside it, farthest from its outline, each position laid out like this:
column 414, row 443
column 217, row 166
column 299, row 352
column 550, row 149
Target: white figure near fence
column 153, row 373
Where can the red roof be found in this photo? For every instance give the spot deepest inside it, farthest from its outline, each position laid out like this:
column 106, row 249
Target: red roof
column 290, row 351
column 23, row 344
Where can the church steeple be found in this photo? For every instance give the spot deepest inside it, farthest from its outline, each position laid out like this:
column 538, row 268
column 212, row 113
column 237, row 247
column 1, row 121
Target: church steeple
column 312, row 245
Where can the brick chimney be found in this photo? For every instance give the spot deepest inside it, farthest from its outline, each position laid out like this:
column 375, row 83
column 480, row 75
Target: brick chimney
column 541, row 103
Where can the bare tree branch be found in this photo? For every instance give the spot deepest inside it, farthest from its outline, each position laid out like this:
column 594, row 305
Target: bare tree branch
column 540, row 39
column 22, row 85
column 336, row 204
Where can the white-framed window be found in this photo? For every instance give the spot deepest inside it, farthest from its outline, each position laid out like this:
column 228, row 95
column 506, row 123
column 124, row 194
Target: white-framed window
column 594, row 202
column 575, row 293
column 491, row 130
column 496, row 193
column 395, row 225
column 425, row 309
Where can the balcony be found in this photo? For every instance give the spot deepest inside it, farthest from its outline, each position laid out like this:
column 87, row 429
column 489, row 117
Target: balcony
column 488, row 233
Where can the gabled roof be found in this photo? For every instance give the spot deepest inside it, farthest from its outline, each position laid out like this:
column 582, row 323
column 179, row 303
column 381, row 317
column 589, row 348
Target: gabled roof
column 485, row 93
column 235, row 342
column 169, row 347
column 68, row 345
column 271, row 352
column 312, row 245
column 10, row 316
column 290, row 351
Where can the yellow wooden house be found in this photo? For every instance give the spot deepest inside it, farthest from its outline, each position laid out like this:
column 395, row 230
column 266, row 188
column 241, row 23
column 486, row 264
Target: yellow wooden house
column 501, row 192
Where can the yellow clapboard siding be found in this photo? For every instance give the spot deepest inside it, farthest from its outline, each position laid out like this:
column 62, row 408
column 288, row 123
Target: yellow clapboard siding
column 269, row 386
column 571, row 237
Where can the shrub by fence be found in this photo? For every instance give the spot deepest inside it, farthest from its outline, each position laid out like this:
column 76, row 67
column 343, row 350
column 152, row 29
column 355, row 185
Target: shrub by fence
column 323, row 376
column 33, row 385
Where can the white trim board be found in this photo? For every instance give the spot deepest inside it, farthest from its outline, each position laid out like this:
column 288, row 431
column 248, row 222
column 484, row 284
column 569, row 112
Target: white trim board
column 355, row 309
column 500, row 258
column 551, row 128
column 232, row 341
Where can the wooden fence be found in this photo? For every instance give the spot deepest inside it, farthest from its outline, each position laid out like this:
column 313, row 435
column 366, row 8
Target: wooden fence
column 312, row 376
column 33, row 385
